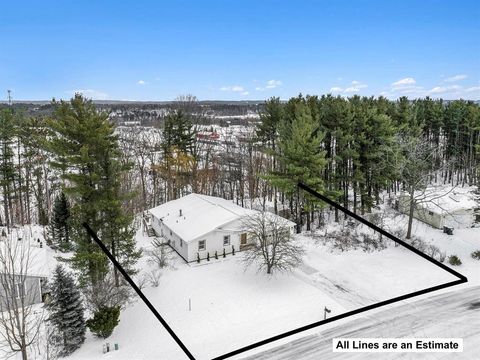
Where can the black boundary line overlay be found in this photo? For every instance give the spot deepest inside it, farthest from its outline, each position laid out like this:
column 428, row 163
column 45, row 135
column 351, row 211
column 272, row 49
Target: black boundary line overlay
column 137, row 290
column 461, row 279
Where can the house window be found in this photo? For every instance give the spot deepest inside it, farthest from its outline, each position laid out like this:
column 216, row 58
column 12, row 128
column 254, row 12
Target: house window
column 170, row 232
column 19, row 290
column 202, row 245
column 181, row 243
column 226, row 240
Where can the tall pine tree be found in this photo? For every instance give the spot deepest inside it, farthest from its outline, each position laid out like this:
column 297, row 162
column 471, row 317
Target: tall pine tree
column 85, row 151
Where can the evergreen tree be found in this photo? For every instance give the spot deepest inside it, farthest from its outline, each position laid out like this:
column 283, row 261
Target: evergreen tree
column 59, row 223
column 300, row 159
column 179, row 153
column 66, row 312
column 7, row 167
column 85, row 151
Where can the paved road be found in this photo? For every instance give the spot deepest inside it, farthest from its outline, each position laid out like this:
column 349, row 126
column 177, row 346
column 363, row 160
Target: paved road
column 452, row 314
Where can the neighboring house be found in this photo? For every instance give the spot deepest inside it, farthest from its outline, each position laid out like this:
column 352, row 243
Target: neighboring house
column 439, row 207
column 197, row 226
column 29, row 288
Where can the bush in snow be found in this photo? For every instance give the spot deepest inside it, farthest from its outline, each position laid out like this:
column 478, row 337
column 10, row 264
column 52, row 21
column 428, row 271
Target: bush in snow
column 104, row 321
column 454, row 260
column 343, row 239
column 372, row 243
column 66, row 312
column 476, row 255
column 434, row 252
column 159, row 255
column 154, row 277
column 418, row 244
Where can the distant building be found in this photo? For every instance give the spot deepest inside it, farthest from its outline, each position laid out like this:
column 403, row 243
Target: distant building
column 197, row 226
column 439, row 207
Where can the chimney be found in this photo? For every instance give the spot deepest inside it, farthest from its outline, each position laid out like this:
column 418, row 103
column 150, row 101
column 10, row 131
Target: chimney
column 180, row 212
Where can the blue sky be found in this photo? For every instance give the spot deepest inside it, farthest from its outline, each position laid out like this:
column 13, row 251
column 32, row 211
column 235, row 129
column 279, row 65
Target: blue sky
column 156, row 50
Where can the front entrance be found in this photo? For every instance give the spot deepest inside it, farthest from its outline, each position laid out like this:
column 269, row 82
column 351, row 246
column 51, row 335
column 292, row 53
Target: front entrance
column 243, row 241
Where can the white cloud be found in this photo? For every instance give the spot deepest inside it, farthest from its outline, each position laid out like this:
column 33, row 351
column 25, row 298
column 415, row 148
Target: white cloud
column 404, row 82
column 234, row 88
column 272, row 84
column 473, row 89
column 336, row 89
column 141, row 82
column 456, row 78
column 438, row 90
column 245, row 93
column 352, row 89
column 90, row 93
column 453, row 89
column 355, row 87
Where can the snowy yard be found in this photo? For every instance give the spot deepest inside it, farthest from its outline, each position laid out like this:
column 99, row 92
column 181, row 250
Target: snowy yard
column 232, row 308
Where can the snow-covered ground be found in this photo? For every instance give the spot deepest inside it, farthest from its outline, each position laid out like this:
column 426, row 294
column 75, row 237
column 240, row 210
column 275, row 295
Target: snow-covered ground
column 232, row 307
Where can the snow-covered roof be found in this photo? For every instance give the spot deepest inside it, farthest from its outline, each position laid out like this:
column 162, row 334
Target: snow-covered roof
column 201, row 214
column 447, row 199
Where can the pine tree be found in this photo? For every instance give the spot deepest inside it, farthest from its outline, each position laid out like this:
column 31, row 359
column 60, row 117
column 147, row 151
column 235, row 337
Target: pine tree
column 59, row 223
column 7, row 167
column 300, row 159
column 66, row 312
column 85, row 150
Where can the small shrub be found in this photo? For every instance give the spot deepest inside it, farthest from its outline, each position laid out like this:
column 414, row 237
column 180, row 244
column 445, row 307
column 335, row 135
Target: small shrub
column 372, row 243
column 154, row 277
column 104, row 321
column 475, row 255
column 418, row 244
column 434, row 252
column 442, row 256
column 454, row 260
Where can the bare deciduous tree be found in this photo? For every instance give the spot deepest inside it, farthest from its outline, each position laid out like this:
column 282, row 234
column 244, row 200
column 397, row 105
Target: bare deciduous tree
column 19, row 321
column 105, row 293
column 273, row 246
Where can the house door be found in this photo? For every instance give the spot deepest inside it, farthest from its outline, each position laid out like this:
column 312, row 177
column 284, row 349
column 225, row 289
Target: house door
column 243, row 240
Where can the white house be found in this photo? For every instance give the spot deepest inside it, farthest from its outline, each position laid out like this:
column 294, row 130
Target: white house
column 444, row 206
column 196, row 226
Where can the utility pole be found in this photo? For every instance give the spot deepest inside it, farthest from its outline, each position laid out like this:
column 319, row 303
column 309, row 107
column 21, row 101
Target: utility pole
column 9, row 97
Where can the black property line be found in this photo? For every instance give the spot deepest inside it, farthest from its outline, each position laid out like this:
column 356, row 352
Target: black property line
column 137, row 290
column 380, row 230
column 338, row 317
column 462, row 279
